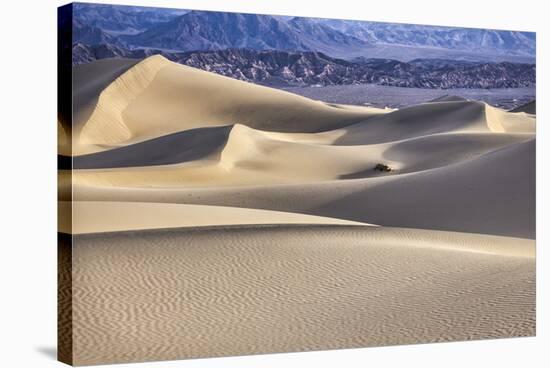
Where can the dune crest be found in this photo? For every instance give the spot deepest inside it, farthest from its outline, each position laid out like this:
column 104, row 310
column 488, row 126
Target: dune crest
column 106, row 125
column 448, row 98
column 178, row 98
column 510, row 122
column 254, row 157
column 101, row 217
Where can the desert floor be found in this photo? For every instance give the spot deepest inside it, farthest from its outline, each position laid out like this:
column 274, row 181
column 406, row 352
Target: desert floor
column 215, row 217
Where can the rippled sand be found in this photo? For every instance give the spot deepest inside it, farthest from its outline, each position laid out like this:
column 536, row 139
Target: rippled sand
column 184, row 293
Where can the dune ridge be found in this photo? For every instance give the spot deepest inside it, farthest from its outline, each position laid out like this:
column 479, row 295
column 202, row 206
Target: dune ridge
column 102, row 217
column 251, row 157
column 106, row 124
column 89, row 80
column 157, row 90
column 478, row 206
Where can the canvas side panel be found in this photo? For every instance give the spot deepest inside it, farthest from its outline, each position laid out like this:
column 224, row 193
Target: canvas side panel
column 64, row 124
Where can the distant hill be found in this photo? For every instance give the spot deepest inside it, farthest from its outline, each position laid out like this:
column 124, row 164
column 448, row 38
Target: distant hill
column 307, row 68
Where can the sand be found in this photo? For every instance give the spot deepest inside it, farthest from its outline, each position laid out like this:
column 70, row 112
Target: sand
column 167, row 93
column 102, row 217
column 493, row 193
column 89, row 80
column 189, row 293
column 215, row 217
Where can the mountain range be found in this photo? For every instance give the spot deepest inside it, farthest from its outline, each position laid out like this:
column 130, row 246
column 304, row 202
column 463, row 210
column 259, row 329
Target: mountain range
column 122, row 19
column 307, row 68
column 466, row 39
column 180, row 30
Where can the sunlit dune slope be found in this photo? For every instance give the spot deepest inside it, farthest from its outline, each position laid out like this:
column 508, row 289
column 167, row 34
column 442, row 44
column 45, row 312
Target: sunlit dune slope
column 100, row 217
column 158, row 97
column 172, row 134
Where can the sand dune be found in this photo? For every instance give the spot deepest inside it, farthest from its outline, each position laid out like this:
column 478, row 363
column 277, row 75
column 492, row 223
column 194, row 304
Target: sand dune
column 178, row 98
column 101, row 217
column 253, row 157
column 188, row 293
column 89, row 80
column 487, row 152
column 216, row 217
column 493, row 194
column 188, row 145
column 512, row 123
column 433, row 118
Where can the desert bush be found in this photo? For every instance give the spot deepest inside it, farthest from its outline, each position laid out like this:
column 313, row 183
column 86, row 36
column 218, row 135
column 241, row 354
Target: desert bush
column 382, row 167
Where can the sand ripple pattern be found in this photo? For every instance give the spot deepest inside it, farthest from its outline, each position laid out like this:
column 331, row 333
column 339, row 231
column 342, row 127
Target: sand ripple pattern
column 188, row 293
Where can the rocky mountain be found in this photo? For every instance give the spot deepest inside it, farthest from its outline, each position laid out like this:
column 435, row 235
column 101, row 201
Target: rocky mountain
column 91, row 35
column 453, row 38
column 83, row 54
column 204, row 30
column 122, row 19
column 181, row 30
column 319, row 37
column 306, row 68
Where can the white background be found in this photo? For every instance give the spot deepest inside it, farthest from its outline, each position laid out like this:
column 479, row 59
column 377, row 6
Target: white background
column 28, row 180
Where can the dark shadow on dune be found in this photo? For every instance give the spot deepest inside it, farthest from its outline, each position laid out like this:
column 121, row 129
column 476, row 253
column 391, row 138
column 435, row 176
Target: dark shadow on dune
column 86, row 90
column 174, row 148
column 336, row 106
column 48, row 351
column 367, row 173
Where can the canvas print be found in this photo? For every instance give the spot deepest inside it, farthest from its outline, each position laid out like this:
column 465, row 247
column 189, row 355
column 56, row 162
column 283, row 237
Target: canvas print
column 234, row 184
